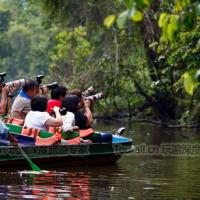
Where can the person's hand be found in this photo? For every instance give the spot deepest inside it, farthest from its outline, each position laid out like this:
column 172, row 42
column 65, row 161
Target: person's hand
column 12, row 89
column 76, row 128
column 5, row 91
column 87, row 103
column 56, row 109
column 43, row 90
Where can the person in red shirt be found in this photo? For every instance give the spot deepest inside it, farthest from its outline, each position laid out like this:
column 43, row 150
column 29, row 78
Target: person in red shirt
column 57, row 96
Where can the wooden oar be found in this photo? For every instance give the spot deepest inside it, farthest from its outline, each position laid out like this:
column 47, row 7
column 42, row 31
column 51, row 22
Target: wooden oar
column 33, row 166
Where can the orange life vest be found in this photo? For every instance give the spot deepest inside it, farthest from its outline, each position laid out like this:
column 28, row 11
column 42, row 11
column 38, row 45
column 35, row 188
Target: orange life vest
column 33, row 132
column 47, row 141
column 86, row 132
column 55, row 130
column 15, row 121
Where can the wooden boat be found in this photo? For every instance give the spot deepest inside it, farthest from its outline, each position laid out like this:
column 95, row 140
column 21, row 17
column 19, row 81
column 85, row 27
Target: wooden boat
column 60, row 155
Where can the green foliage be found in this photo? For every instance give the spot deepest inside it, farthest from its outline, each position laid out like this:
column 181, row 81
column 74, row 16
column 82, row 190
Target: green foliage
column 109, row 20
column 133, row 12
column 189, row 82
column 135, row 51
column 24, row 41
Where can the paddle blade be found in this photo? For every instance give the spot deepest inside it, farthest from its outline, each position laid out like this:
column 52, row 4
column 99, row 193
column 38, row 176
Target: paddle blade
column 33, row 166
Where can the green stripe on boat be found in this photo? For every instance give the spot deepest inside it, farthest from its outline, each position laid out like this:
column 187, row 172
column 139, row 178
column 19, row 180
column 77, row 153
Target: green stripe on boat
column 43, row 134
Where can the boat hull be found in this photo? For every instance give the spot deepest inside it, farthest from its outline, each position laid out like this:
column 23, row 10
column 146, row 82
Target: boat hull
column 64, row 155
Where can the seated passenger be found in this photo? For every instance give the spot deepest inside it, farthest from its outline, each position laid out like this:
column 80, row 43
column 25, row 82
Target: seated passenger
column 57, row 95
column 71, row 104
column 3, row 130
column 83, row 115
column 22, row 103
column 38, row 117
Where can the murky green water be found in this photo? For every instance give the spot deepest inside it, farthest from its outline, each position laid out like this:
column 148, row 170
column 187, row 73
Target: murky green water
column 136, row 176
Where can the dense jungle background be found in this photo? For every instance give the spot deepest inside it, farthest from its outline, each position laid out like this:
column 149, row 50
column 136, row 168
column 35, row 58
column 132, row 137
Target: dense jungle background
column 144, row 55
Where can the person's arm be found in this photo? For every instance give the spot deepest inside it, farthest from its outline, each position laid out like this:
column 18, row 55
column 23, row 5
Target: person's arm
column 55, row 122
column 9, row 100
column 88, row 113
column 4, row 99
column 43, row 91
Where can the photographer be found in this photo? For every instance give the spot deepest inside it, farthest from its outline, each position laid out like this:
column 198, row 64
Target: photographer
column 4, row 97
column 83, row 116
column 22, row 103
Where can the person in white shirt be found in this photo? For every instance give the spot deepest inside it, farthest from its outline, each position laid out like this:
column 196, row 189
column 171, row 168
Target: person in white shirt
column 70, row 103
column 38, row 117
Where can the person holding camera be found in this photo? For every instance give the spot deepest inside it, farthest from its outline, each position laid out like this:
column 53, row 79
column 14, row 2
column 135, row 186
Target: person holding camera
column 4, row 97
column 71, row 104
column 83, row 115
column 22, row 103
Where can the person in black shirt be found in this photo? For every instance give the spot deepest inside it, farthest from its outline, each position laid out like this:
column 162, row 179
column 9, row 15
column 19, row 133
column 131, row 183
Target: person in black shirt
column 83, row 115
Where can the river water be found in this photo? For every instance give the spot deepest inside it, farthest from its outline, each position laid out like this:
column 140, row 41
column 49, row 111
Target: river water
column 151, row 174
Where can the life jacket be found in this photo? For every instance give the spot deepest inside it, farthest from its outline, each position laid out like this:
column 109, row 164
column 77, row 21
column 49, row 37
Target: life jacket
column 55, row 130
column 15, row 121
column 30, row 132
column 86, row 132
column 47, row 141
column 33, row 132
column 52, row 103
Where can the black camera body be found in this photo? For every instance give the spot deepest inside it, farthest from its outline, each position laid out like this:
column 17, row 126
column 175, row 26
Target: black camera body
column 39, row 78
column 2, row 76
column 62, row 111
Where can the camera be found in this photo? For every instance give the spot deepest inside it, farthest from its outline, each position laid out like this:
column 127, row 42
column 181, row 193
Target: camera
column 39, row 78
column 88, row 92
column 16, row 83
column 62, row 111
column 51, row 86
column 95, row 97
column 2, row 75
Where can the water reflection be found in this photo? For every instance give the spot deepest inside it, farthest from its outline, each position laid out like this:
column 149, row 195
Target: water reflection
column 51, row 185
column 134, row 177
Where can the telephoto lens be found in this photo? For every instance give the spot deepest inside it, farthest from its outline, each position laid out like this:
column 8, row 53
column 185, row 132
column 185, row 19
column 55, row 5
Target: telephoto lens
column 95, row 97
column 88, row 92
column 16, row 83
column 51, row 86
